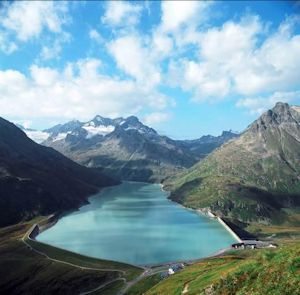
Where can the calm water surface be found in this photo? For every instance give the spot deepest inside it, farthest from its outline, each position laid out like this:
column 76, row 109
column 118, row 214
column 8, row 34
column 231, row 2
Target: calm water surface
column 136, row 223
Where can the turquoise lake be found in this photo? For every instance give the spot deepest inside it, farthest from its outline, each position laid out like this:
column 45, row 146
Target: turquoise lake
column 136, row 223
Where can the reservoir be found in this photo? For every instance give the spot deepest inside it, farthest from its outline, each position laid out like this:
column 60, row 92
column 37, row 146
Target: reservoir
column 136, row 223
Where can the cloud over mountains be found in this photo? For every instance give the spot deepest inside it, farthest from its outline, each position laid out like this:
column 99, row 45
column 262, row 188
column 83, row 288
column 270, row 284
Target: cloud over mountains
column 136, row 54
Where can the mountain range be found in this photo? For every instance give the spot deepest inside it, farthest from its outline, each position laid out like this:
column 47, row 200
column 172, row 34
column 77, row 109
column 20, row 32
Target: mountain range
column 253, row 178
column 125, row 148
column 37, row 180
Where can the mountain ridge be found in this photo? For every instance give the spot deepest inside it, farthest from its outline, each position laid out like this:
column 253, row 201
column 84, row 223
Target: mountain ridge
column 252, row 178
column 35, row 179
column 127, row 149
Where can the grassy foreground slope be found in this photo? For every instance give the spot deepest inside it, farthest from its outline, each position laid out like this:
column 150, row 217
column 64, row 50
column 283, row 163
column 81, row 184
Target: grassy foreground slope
column 252, row 178
column 23, row 271
column 270, row 271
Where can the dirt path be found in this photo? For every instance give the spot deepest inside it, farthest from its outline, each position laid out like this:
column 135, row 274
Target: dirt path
column 26, row 236
column 102, row 286
column 148, row 271
column 186, row 288
column 133, row 282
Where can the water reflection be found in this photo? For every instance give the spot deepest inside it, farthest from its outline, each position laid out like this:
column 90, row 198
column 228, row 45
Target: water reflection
column 136, row 223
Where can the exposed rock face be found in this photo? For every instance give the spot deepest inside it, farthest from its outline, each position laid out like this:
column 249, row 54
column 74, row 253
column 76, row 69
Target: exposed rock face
column 253, row 177
column 38, row 180
column 127, row 149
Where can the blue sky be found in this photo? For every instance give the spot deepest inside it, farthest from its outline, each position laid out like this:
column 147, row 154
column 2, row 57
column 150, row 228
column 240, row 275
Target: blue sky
column 185, row 68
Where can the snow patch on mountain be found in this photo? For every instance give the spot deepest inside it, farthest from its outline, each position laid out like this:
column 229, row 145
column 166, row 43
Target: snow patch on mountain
column 98, row 130
column 139, row 130
column 37, row 136
column 61, row 136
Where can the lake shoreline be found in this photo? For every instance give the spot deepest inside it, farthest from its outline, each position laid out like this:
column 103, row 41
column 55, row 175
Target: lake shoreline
column 207, row 212
column 57, row 217
column 36, row 229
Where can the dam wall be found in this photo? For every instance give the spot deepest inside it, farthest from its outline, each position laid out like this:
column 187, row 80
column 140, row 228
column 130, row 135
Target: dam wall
column 228, row 228
column 34, row 232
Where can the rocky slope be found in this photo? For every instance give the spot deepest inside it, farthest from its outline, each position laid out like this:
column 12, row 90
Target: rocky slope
column 255, row 177
column 38, row 180
column 127, row 149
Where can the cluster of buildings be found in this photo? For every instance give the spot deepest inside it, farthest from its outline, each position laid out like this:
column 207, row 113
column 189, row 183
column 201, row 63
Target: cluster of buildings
column 172, row 269
column 253, row 244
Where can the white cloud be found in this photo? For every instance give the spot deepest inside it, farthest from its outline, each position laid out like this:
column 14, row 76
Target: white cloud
column 95, row 36
column 239, row 58
column 79, row 91
column 205, row 80
column 55, row 47
column 162, row 44
column 27, row 19
column 178, row 27
column 230, row 42
column 43, row 76
column 6, row 45
column 50, row 52
column 176, row 14
column 234, row 60
column 157, row 117
column 135, row 59
column 257, row 105
column 182, row 20
column 121, row 13
column 273, row 66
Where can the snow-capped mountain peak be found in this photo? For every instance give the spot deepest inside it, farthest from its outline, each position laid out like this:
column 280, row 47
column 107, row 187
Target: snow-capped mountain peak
column 133, row 123
column 98, row 126
column 93, row 130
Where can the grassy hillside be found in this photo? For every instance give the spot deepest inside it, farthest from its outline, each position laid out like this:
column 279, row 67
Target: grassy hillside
column 23, row 271
column 269, row 271
column 252, row 178
column 36, row 180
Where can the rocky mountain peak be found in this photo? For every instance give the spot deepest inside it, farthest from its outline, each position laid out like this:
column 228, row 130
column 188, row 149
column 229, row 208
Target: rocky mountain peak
column 133, row 123
column 132, row 120
column 281, row 106
column 228, row 133
column 99, row 120
column 281, row 113
column 62, row 128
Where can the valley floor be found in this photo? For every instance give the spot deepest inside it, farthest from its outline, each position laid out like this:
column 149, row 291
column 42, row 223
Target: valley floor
column 27, row 266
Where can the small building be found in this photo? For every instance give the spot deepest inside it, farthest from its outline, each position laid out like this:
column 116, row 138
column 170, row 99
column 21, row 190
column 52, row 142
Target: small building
column 238, row 246
column 171, row 271
column 177, row 267
column 272, row 246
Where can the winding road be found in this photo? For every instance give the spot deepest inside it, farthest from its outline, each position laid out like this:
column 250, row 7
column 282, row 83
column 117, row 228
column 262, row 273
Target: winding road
column 148, row 270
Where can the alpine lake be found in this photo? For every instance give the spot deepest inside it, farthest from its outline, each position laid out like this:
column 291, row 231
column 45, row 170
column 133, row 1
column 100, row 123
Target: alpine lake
column 136, row 223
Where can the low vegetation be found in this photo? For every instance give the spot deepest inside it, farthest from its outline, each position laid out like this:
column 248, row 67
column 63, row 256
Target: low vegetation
column 268, row 271
column 252, row 179
column 145, row 284
column 23, row 271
